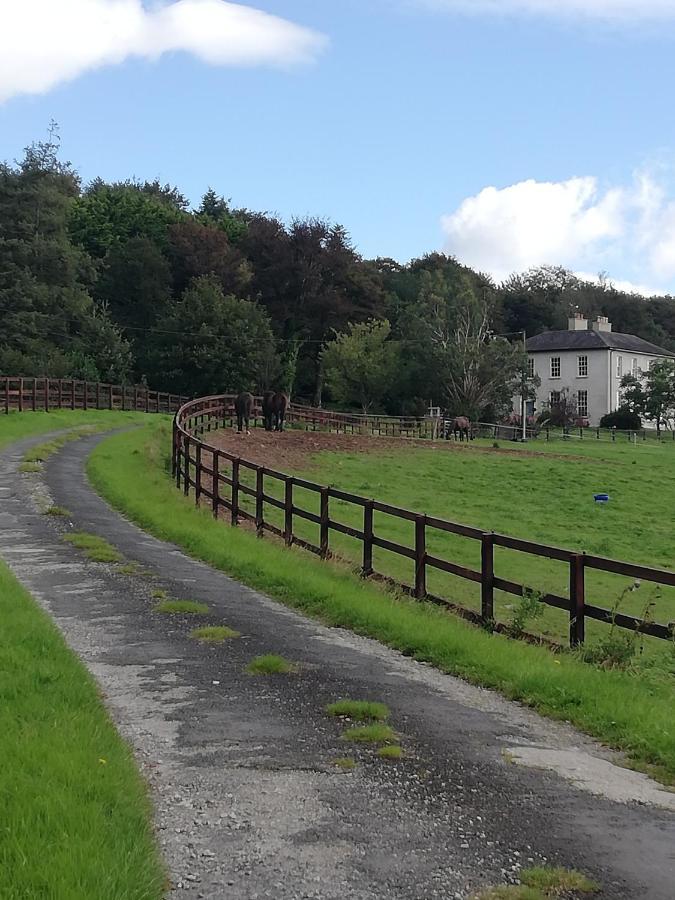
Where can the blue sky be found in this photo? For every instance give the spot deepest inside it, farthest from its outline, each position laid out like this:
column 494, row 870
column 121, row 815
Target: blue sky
column 543, row 135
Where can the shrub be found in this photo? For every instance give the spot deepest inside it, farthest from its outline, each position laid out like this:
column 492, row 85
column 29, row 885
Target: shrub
column 623, row 419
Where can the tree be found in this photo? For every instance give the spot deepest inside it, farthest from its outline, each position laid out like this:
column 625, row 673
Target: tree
column 360, row 363
column 196, row 249
column 562, row 411
column 208, row 342
column 50, row 323
column 652, row 393
column 135, row 285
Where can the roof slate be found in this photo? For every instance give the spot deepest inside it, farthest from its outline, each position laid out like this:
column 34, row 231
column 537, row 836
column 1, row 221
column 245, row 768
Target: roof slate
column 593, row 340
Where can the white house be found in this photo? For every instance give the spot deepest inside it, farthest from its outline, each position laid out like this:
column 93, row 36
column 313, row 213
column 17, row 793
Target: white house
column 589, row 363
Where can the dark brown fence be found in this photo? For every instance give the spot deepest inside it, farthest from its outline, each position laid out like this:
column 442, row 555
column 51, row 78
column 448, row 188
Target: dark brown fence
column 216, row 476
column 45, row 394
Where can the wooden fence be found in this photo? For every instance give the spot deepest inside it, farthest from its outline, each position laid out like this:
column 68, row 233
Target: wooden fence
column 45, row 394
column 216, row 476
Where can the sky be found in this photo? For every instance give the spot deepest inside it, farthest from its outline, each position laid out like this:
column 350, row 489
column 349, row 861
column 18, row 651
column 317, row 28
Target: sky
column 510, row 133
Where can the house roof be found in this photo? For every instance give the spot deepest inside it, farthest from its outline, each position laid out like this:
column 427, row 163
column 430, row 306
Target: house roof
column 593, row 340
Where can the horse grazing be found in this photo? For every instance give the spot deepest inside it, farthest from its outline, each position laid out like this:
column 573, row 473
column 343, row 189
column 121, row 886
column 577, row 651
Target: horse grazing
column 243, row 407
column 268, row 409
column 280, row 403
column 461, row 427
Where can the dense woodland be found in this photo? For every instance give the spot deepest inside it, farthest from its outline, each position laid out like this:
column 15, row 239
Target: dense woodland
column 124, row 282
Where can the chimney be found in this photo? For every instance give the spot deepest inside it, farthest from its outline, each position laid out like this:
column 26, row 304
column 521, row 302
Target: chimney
column 577, row 322
column 602, row 323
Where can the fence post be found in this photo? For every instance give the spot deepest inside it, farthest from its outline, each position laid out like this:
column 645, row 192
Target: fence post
column 147, row 400
column 60, row 394
column 186, row 471
column 111, row 403
column 85, row 388
column 325, row 520
column 46, row 385
column 34, row 394
column 235, row 492
column 259, row 507
column 288, row 512
column 72, row 393
column 577, row 600
column 198, row 475
column 487, row 576
column 368, row 538
column 98, row 395
column 20, row 394
column 7, row 396
column 215, row 485
column 420, row 557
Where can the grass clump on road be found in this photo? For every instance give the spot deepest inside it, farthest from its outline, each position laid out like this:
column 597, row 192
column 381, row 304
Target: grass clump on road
column 28, row 468
column 392, row 751
column 95, row 548
column 181, row 607
column 57, row 511
column 359, row 710
column 542, row 883
column 271, row 664
column 346, row 763
column 628, row 713
column 377, row 733
column 214, row 634
column 76, row 818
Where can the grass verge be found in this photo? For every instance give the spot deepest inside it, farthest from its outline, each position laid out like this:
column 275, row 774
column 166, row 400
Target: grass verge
column 271, row 664
column 627, row 712
column 17, row 426
column 542, row 883
column 76, row 820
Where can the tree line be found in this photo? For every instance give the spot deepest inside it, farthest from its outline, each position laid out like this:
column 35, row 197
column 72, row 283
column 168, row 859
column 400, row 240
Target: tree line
column 125, row 282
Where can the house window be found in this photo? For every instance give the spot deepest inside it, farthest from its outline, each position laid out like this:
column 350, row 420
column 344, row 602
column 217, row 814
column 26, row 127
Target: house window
column 582, row 366
column 554, row 398
column 530, row 367
column 582, row 404
column 555, row 367
column 619, row 366
column 634, row 367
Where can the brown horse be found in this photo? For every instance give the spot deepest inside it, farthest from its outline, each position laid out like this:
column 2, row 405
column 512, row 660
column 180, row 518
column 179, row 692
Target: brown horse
column 243, row 407
column 461, row 427
column 268, row 409
column 280, row 402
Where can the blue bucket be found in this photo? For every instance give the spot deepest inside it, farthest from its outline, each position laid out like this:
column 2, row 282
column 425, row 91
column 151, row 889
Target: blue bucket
column 601, row 498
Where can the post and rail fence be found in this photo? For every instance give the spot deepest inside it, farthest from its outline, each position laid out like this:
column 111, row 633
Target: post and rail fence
column 222, row 485
column 45, row 394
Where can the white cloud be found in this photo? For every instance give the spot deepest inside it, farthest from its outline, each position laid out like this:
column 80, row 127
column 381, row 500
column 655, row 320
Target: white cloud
column 608, row 10
column 46, row 42
column 628, row 230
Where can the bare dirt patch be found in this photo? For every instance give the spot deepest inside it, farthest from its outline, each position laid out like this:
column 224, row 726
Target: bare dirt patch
column 292, row 450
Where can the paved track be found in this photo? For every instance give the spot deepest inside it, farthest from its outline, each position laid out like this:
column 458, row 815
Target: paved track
column 248, row 803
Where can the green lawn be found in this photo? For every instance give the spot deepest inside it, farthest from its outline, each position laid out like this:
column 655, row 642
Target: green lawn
column 627, row 710
column 544, row 495
column 76, row 820
column 16, row 426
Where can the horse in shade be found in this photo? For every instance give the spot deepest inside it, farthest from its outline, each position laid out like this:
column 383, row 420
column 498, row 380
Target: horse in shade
column 280, row 404
column 243, row 407
column 461, row 428
column 268, row 409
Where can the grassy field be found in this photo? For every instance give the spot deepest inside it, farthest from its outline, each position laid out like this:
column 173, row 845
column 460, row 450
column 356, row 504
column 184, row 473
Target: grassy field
column 76, row 821
column 544, row 494
column 631, row 711
column 17, row 425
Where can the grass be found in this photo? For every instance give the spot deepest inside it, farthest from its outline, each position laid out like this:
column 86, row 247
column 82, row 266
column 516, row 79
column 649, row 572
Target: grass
column 392, row 751
column 17, row 426
column 271, row 664
column 159, row 594
column 57, row 511
column 542, row 883
column 181, row 607
column 346, row 763
column 94, row 547
column 377, row 733
column 543, row 494
column 27, row 468
column 214, row 634
column 629, row 713
column 76, row 819
column 359, row 710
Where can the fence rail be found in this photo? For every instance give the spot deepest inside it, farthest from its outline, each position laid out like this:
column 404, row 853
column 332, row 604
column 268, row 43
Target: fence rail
column 191, row 456
column 45, row 394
